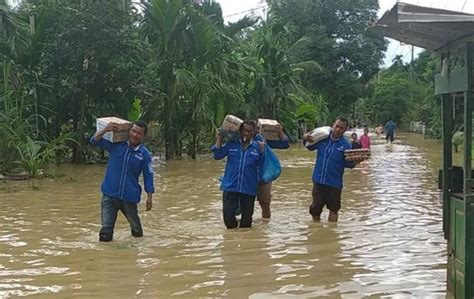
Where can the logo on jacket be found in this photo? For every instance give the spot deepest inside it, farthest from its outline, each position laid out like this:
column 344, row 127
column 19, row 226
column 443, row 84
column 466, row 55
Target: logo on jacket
column 139, row 156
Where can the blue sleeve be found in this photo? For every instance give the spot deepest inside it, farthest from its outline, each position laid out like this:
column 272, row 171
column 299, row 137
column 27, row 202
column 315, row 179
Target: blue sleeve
column 221, row 152
column 102, row 143
column 279, row 144
column 311, row 147
column 148, row 175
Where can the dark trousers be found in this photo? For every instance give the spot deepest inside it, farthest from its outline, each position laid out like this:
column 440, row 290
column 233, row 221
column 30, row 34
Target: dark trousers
column 230, row 206
column 109, row 209
column 325, row 196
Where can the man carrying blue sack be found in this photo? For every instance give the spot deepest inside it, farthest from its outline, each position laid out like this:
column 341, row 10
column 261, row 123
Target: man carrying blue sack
column 264, row 193
column 120, row 188
column 239, row 184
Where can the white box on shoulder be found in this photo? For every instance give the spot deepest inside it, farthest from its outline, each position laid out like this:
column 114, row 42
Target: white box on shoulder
column 319, row 134
column 118, row 136
column 231, row 123
column 230, row 127
column 268, row 128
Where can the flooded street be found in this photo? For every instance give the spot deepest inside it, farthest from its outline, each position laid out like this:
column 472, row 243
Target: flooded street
column 388, row 240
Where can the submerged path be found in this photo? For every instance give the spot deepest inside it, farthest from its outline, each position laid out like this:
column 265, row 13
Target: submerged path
column 388, row 241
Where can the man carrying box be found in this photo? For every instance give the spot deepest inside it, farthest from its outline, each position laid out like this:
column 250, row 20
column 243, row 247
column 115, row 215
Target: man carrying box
column 120, row 188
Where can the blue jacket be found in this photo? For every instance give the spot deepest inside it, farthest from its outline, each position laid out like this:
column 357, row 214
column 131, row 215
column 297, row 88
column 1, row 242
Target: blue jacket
column 124, row 168
column 390, row 128
column 242, row 167
column 278, row 144
column 330, row 161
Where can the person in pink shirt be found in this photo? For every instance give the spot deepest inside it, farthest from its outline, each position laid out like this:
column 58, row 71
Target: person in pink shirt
column 365, row 139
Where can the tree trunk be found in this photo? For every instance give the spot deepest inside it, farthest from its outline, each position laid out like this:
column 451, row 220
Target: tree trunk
column 79, row 128
column 168, row 135
column 194, row 143
column 75, row 146
column 175, row 137
column 269, row 111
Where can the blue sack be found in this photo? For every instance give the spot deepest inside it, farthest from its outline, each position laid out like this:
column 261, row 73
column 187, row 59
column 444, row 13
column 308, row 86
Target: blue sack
column 271, row 166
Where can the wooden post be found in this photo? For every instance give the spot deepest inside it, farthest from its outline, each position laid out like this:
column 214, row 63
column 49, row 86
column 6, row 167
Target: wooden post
column 447, row 117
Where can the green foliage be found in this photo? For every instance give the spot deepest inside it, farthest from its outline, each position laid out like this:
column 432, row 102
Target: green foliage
column 405, row 92
column 340, row 40
column 34, row 154
column 177, row 65
column 391, row 99
column 15, row 34
column 136, row 111
column 278, row 73
column 315, row 114
column 32, row 157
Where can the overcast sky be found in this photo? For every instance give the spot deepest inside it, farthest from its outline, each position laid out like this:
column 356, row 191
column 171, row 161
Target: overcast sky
column 235, row 9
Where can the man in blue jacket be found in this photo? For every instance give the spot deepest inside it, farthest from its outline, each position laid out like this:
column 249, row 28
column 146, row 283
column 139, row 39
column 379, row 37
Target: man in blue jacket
column 244, row 159
column 264, row 193
column 390, row 128
column 329, row 170
column 120, row 188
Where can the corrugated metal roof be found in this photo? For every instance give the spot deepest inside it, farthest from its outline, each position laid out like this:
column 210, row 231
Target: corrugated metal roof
column 426, row 27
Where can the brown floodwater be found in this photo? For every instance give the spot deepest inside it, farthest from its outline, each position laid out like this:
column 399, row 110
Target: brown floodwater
column 388, row 241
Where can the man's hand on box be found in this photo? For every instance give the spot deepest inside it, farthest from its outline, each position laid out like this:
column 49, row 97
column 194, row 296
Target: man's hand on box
column 111, row 127
column 219, row 139
column 357, row 161
column 281, row 134
column 308, row 137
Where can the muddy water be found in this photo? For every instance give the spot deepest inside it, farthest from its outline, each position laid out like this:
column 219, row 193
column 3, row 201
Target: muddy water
column 388, row 241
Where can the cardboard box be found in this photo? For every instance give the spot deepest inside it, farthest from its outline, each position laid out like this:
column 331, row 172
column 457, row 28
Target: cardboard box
column 268, row 129
column 231, row 123
column 230, row 127
column 117, row 136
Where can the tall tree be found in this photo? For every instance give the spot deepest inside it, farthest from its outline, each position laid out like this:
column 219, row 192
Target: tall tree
column 341, row 41
column 90, row 56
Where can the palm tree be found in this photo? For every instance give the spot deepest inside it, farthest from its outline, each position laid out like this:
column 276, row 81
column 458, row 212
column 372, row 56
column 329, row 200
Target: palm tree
column 14, row 32
column 165, row 26
column 195, row 65
column 213, row 66
column 278, row 75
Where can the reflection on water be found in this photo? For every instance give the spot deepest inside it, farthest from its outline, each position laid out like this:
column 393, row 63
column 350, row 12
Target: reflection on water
column 388, row 241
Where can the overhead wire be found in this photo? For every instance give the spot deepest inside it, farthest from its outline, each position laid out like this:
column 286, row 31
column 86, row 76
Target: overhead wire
column 394, row 52
column 245, row 11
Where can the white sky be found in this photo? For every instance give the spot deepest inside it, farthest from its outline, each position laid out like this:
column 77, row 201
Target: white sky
column 235, row 9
